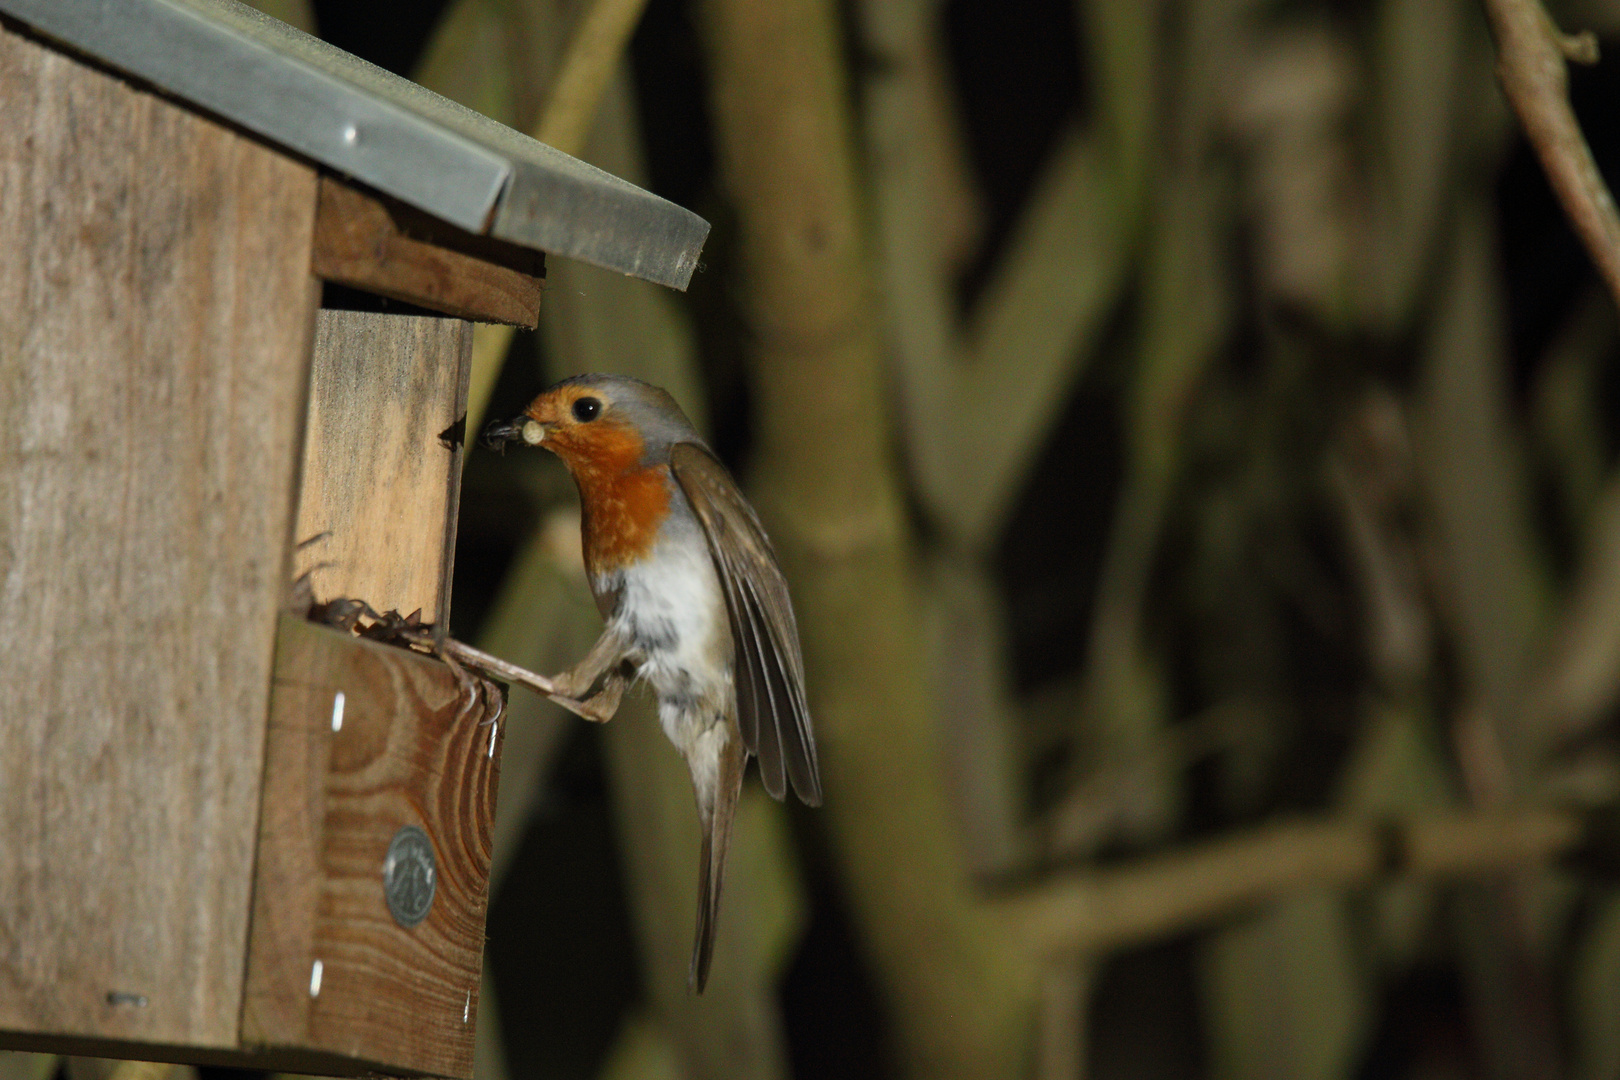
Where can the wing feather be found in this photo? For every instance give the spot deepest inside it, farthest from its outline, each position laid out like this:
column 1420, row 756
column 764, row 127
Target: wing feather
column 773, row 715
column 784, row 680
column 755, row 659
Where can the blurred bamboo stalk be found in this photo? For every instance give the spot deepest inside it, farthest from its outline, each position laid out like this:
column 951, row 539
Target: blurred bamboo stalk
column 1034, row 329
column 1493, row 587
column 917, row 175
column 960, row 998
column 593, row 56
column 968, row 648
column 1581, row 680
column 1090, row 912
column 467, row 59
column 1596, row 993
column 1418, row 84
column 1048, row 295
column 1066, row 264
column 1496, row 597
column 642, row 1052
column 1036, row 324
column 733, row 1030
column 1060, row 1039
column 1283, row 991
column 1535, row 77
column 1185, row 316
column 907, row 171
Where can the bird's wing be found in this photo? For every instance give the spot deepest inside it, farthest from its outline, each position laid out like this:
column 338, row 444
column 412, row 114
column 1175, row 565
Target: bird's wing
column 771, row 709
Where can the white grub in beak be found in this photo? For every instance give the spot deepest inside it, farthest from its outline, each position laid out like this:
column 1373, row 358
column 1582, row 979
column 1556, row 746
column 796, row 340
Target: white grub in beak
column 534, row 433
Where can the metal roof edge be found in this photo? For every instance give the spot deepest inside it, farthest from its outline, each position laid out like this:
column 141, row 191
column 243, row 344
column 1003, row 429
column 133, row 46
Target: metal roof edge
column 383, row 131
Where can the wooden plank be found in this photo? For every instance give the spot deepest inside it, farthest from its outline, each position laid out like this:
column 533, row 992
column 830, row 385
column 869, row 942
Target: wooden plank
column 378, row 244
column 158, row 312
column 396, row 997
column 377, row 476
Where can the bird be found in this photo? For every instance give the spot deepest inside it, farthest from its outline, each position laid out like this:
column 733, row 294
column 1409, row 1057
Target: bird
column 693, row 600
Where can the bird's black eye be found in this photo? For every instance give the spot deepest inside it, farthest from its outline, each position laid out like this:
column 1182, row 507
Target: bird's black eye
column 587, row 409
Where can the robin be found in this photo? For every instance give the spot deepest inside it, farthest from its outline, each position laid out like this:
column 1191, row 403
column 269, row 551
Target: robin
column 693, row 599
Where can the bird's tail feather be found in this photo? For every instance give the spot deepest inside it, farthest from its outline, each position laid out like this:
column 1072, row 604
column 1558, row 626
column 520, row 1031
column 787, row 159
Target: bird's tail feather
column 716, row 822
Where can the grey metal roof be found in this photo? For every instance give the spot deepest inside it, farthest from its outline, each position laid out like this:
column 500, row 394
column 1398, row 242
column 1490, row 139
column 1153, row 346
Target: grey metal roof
column 382, row 130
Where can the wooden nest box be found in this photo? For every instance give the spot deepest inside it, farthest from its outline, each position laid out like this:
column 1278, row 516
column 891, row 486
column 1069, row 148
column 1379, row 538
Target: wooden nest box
column 228, row 835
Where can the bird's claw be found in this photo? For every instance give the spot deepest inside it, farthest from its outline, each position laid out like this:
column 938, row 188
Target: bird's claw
column 473, row 691
column 599, row 707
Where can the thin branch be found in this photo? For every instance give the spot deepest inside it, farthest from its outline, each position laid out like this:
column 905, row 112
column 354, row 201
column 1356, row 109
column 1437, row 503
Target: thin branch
column 1096, row 911
column 1531, row 64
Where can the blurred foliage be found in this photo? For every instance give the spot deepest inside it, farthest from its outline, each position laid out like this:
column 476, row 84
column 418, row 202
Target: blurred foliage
column 1174, row 414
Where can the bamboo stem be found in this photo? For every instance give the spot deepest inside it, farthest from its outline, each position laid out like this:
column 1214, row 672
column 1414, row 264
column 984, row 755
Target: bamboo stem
column 592, row 57
column 1095, row 912
column 961, row 997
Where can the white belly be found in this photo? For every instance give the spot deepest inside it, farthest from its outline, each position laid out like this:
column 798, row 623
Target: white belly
column 671, row 607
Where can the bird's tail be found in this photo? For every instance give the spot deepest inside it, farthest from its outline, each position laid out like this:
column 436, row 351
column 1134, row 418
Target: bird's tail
column 716, row 822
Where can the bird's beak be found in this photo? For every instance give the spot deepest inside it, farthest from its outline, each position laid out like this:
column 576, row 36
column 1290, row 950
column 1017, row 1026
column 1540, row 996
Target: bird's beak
column 524, row 429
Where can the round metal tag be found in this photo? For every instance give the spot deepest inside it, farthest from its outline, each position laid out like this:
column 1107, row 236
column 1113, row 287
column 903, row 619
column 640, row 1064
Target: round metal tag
column 409, row 876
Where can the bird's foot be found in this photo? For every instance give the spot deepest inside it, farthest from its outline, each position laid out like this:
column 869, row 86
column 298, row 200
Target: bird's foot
column 598, row 707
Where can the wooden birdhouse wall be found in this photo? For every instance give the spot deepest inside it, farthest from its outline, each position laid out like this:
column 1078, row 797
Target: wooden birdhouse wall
column 197, row 788
column 382, row 458
column 154, row 348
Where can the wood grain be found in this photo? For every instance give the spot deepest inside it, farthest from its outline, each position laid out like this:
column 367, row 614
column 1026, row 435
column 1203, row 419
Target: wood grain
column 378, row 244
column 157, row 316
column 405, row 755
column 377, row 477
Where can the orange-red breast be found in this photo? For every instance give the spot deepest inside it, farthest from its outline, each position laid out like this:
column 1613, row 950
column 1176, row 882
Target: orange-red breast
column 694, row 601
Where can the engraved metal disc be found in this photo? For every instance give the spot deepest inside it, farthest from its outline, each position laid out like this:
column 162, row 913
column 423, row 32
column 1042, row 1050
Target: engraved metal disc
column 409, row 876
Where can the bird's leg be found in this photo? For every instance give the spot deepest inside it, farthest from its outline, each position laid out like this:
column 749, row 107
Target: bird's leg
column 600, row 706
column 609, row 651
column 573, row 688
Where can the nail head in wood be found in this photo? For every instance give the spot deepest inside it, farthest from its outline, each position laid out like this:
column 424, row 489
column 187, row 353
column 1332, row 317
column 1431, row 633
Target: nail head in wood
column 409, row 876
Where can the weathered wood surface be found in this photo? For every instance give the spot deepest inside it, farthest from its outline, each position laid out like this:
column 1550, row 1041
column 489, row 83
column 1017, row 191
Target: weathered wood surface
column 156, row 309
column 405, row 754
column 381, row 245
column 377, row 476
